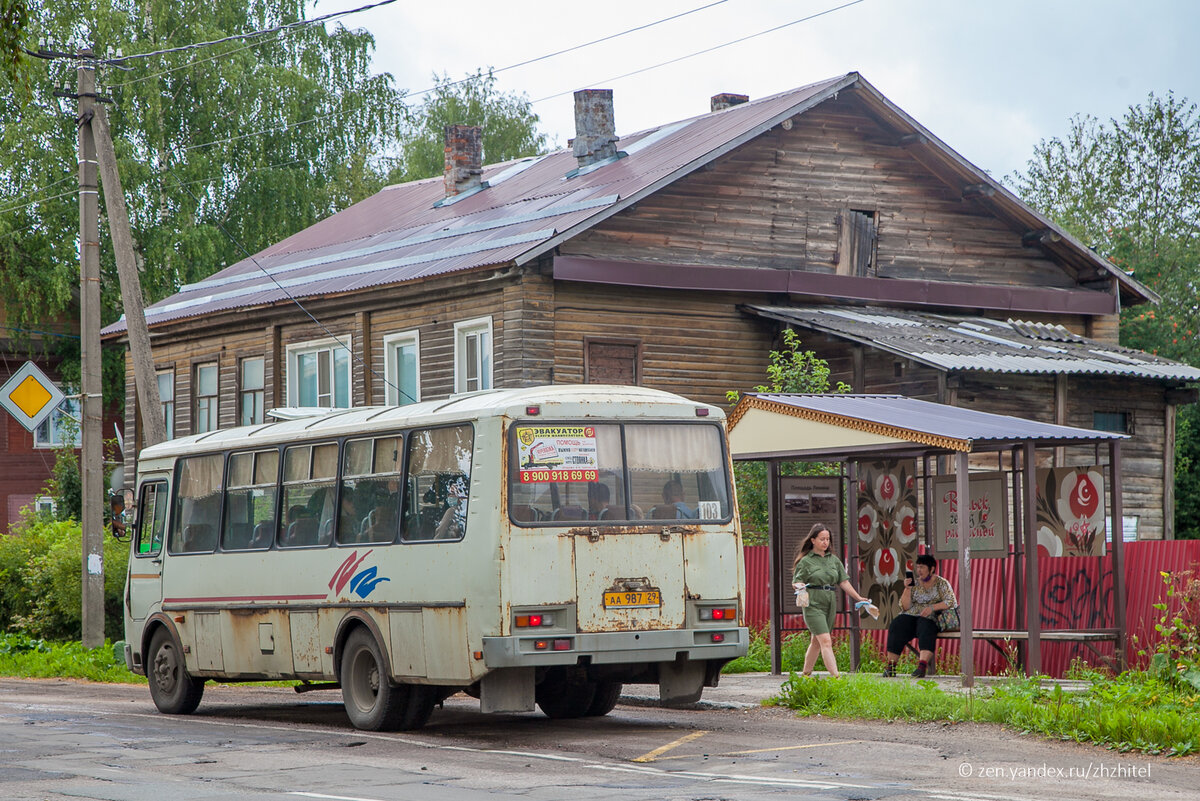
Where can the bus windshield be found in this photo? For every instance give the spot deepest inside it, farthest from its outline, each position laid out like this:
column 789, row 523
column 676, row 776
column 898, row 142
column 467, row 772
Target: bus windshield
column 560, row 474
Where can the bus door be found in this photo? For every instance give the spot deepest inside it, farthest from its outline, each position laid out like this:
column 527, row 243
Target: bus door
column 145, row 563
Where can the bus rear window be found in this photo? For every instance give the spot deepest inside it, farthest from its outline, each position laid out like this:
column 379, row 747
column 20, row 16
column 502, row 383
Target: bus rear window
column 563, row 474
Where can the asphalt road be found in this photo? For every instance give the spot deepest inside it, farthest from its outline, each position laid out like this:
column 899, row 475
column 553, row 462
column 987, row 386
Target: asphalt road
column 63, row 740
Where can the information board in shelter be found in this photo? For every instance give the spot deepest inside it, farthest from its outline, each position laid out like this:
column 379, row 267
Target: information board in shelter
column 987, row 521
column 807, row 501
column 557, row 453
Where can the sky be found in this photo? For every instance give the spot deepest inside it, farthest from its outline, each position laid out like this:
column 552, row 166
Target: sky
column 990, row 78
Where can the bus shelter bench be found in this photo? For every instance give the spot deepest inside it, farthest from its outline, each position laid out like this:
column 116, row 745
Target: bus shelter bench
column 996, row 638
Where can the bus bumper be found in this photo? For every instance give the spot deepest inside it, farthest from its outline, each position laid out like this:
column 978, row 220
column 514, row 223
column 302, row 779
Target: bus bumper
column 614, row 648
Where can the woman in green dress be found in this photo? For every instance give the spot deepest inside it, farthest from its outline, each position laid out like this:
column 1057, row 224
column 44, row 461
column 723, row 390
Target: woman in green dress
column 822, row 573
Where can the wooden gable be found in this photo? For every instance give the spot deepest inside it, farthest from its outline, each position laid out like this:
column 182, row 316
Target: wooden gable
column 787, row 198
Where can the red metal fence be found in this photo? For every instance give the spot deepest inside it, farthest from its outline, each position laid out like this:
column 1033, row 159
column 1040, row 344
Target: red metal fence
column 1076, row 593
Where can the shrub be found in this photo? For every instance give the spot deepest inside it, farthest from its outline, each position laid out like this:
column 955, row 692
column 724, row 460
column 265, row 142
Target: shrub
column 41, row 567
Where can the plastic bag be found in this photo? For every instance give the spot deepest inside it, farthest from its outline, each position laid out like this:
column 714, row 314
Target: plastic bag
column 801, row 595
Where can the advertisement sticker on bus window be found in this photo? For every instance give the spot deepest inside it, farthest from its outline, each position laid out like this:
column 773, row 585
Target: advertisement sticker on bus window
column 557, row 453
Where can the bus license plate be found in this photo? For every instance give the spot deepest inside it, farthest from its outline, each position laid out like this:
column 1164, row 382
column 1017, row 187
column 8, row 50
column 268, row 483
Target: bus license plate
column 633, row 599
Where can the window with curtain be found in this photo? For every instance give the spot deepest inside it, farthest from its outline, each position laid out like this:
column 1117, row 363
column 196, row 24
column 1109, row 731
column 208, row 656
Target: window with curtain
column 473, row 355
column 402, row 364
column 319, row 375
column 205, row 390
column 251, row 391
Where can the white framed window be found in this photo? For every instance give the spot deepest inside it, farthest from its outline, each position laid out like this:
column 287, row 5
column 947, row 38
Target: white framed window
column 318, row 374
column 166, row 397
column 402, row 366
column 205, row 391
column 61, row 427
column 45, row 505
column 251, row 390
column 473, row 355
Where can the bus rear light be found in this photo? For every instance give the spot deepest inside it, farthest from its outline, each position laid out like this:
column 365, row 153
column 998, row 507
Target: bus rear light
column 541, row 645
column 701, row 411
column 718, row 638
column 533, row 621
column 562, row 645
column 720, row 613
column 533, row 411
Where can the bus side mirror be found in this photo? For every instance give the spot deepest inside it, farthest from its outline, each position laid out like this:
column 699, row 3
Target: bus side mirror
column 123, row 513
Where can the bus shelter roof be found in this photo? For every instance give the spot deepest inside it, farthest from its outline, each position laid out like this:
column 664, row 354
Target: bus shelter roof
column 836, row 427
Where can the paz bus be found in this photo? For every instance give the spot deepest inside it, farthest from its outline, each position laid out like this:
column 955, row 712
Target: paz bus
column 540, row 546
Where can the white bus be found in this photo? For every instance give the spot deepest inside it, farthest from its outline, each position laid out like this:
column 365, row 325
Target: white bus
column 542, row 545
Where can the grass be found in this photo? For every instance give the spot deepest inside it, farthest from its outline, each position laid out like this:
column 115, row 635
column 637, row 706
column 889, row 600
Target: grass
column 1134, row 711
column 758, row 656
column 24, row 657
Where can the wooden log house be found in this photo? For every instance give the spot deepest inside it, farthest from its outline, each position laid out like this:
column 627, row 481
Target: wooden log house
column 672, row 258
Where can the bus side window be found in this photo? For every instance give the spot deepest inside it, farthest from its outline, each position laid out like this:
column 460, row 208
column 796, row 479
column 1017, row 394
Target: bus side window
column 309, row 483
column 438, row 472
column 197, row 506
column 152, row 519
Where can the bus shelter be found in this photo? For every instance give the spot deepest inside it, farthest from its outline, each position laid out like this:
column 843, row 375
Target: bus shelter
column 946, row 442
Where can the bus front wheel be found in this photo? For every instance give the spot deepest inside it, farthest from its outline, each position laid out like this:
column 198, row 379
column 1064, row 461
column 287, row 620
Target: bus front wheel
column 372, row 701
column 173, row 690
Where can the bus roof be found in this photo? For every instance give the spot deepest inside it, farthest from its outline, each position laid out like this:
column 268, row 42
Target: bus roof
column 562, row 401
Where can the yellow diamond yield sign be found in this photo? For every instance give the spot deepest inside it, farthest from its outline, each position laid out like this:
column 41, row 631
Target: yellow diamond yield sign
column 30, row 396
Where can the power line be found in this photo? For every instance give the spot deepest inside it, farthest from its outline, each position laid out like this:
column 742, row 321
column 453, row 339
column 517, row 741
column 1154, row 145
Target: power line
column 121, row 59
column 704, row 51
column 297, row 303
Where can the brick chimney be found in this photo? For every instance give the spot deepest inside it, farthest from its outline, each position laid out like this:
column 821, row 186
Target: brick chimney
column 595, row 129
column 464, row 158
column 726, row 100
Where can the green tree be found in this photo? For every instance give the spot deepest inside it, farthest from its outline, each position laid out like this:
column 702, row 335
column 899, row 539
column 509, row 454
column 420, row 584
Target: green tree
column 14, row 16
column 260, row 137
column 790, row 370
column 509, row 125
column 1131, row 189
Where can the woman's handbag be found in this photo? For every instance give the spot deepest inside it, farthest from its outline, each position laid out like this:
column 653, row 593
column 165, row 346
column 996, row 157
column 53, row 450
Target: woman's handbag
column 801, row 595
column 947, row 619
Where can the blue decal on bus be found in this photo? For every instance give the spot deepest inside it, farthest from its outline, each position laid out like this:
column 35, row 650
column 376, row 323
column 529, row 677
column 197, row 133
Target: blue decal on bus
column 362, row 583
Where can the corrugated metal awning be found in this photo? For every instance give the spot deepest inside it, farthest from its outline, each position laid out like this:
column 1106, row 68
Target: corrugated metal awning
column 978, row 344
column 765, row 425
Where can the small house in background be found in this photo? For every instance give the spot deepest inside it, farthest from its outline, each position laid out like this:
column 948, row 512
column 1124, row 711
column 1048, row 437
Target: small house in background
column 27, row 457
column 672, row 258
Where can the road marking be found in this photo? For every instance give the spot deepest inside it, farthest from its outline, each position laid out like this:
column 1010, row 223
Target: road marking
column 650, row 756
column 965, row 796
column 588, row 762
column 765, row 750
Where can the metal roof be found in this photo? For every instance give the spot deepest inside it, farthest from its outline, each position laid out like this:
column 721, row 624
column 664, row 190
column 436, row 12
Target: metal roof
column 401, row 234
column 405, row 233
column 918, row 422
column 979, row 344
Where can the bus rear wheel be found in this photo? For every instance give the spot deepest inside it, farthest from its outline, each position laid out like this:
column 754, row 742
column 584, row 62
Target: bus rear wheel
column 173, row 690
column 373, row 702
column 565, row 693
column 607, row 694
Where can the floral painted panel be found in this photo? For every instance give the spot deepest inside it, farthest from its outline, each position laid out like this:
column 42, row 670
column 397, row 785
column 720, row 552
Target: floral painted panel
column 887, row 533
column 1070, row 511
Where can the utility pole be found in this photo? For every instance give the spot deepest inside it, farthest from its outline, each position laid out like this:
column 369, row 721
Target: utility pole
column 92, row 456
column 154, row 429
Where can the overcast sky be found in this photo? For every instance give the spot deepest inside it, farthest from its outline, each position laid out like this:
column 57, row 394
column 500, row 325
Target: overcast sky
column 991, row 78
